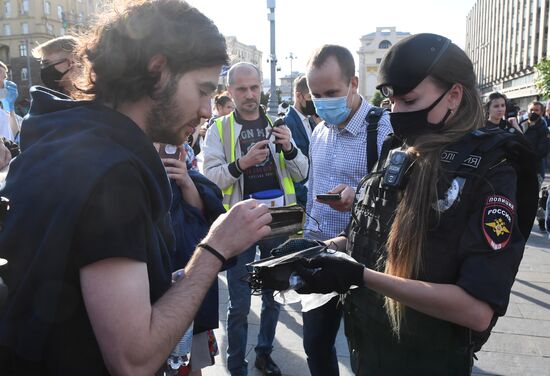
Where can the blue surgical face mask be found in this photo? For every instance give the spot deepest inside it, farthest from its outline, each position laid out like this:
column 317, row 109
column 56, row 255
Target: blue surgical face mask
column 333, row 110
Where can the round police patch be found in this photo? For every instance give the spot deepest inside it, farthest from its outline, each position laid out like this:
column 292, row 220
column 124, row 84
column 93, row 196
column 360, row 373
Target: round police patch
column 497, row 221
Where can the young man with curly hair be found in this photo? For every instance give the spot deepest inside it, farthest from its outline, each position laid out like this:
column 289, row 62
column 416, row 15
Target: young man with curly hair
column 90, row 283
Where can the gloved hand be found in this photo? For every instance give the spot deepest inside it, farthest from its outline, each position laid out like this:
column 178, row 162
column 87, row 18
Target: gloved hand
column 328, row 273
column 295, row 245
column 11, row 88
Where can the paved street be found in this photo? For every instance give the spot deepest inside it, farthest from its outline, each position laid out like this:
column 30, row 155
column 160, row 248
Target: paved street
column 519, row 345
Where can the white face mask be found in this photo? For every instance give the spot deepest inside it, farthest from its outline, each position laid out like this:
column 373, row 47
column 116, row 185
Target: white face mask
column 3, row 93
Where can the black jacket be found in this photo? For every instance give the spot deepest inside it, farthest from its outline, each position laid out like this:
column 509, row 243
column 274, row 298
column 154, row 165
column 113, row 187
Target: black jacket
column 537, row 136
column 67, row 149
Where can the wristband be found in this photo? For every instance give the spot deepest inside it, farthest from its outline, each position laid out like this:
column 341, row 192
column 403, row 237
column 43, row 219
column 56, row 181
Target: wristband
column 291, row 149
column 238, row 166
column 213, row 251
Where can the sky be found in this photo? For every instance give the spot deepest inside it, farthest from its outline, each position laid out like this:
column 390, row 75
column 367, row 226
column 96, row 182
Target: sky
column 304, row 25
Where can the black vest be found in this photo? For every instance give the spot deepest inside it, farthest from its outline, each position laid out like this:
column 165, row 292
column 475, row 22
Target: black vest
column 426, row 345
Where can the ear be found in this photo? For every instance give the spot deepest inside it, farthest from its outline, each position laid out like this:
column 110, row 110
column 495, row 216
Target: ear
column 157, row 68
column 454, row 97
column 230, row 91
column 355, row 83
column 156, row 64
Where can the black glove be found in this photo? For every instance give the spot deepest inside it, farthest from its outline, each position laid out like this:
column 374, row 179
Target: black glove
column 295, row 245
column 327, row 273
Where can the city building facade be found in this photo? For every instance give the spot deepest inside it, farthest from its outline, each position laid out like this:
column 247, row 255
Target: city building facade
column 505, row 39
column 27, row 23
column 238, row 52
column 373, row 48
column 287, row 87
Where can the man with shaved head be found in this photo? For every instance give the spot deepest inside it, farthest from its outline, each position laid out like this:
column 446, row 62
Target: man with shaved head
column 241, row 157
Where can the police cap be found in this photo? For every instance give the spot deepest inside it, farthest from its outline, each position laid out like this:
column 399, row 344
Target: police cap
column 409, row 62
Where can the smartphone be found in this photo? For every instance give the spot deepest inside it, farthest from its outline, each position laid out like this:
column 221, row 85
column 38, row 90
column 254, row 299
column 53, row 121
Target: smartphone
column 277, row 123
column 329, row 196
column 169, row 151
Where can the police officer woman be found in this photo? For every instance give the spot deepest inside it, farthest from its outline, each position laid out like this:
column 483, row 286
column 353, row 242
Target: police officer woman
column 438, row 229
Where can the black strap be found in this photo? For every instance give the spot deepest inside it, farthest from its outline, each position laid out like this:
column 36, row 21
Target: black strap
column 372, row 118
column 212, row 251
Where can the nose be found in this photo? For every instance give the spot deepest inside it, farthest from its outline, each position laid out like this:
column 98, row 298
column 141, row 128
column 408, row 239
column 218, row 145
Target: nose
column 205, row 110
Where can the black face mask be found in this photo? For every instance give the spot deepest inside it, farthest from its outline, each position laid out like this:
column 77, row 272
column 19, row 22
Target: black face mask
column 408, row 126
column 309, row 109
column 51, row 77
column 533, row 117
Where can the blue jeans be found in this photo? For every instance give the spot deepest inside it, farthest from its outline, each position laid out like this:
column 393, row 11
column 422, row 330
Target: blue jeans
column 239, row 306
column 320, row 329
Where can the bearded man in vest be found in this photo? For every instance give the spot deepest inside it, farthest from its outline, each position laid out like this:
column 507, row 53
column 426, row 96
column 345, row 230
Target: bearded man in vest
column 249, row 158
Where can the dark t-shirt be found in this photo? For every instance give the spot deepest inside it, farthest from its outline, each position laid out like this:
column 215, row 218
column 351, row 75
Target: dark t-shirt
column 263, row 176
column 116, row 222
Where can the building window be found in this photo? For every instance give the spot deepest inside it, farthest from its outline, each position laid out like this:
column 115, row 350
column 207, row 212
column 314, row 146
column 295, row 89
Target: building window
column 49, row 28
column 24, row 74
column 384, row 45
column 7, row 8
column 24, row 28
column 7, row 30
column 60, row 12
column 47, row 7
column 25, row 7
column 378, row 61
column 22, row 49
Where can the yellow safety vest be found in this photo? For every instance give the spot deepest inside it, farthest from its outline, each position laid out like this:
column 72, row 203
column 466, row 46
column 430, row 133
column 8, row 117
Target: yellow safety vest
column 229, row 149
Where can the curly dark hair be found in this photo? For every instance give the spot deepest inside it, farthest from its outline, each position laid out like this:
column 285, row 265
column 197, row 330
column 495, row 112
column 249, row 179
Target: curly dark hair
column 116, row 52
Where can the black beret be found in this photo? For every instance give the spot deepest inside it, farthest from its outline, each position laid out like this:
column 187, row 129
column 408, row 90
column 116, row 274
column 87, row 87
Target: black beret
column 409, row 62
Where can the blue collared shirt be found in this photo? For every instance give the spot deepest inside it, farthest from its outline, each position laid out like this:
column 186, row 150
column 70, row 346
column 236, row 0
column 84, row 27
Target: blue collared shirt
column 338, row 156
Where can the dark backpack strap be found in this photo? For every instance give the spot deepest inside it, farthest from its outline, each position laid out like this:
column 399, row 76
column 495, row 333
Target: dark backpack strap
column 372, row 118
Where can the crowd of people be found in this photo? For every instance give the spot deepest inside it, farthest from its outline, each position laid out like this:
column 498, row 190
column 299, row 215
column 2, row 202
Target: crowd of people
column 137, row 181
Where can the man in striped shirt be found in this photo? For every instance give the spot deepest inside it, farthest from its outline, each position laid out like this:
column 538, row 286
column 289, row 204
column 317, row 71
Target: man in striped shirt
column 338, row 161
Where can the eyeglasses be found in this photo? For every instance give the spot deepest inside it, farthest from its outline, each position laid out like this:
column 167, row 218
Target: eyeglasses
column 387, row 91
column 46, row 64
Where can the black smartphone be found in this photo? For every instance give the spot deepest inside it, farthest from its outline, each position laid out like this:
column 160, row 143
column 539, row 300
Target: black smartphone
column 329, row 196
column 277, row 123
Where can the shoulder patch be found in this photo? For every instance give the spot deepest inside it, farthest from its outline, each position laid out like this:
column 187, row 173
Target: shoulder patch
column 497, row 221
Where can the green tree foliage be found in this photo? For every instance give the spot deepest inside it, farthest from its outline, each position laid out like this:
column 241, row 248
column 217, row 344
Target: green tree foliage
column 377, row 98
column 543, row 80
